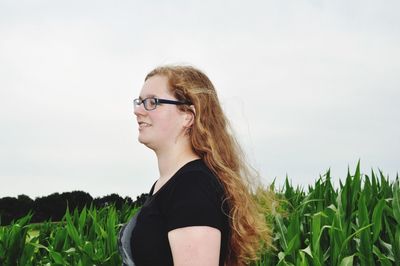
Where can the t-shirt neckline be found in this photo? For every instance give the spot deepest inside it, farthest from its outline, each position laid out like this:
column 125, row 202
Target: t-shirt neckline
column 173, row 177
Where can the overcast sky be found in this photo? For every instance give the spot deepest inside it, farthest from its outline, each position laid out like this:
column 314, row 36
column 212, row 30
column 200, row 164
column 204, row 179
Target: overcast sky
column 307, row 85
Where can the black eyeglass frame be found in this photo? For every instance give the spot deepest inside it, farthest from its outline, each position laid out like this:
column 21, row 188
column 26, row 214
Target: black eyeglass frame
column 137, row 102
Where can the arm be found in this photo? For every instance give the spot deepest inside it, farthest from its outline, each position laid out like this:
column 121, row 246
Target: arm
column 195, row 245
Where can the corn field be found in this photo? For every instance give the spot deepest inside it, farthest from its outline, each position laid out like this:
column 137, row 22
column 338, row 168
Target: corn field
column 357, row 223
column 85, row 238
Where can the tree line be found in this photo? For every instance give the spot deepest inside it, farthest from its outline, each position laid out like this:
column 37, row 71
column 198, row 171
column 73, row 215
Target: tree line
column 54, row 206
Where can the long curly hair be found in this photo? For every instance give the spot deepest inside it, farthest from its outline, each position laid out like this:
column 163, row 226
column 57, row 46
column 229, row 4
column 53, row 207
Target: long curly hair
column 213, row 140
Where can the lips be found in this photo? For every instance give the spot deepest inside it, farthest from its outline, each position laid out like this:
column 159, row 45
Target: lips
column 143, row 124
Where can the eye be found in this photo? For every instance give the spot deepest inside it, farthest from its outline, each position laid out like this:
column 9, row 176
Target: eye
column 151, row 103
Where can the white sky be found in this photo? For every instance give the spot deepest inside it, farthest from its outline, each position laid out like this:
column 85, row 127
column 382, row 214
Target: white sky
column 308, row 85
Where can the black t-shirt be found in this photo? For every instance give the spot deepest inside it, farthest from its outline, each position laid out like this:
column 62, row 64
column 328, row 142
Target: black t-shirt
column 192, row 197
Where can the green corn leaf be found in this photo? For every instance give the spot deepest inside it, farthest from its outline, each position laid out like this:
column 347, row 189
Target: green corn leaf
column 59, row 239
column 70, row 250
column 16, row 243
column 40, row 246
column 72, row 231
column 302, row 260
column 365, row 235
column 111, row 241
column 316, row 231
column 396, row 246
column 351, row 237
column 58, row 258
column 305, row 203
column 307, row 251
column 396, row 202
column 82, row 220
column 355, row 190
column 281, row 231
column 388, row 250
column 282, row 261
column 27, row 255
column 347, row 261
column 293, row 245
column 367, row 190
column 337, row 236
column 374, row 183
column 293, row 233
column 383, row 260
column 89, row 249
column 345, row 207
column 388, row 232
column 377, row 219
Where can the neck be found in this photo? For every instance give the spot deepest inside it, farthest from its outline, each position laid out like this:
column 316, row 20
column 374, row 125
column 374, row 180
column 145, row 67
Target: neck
column 172, row 159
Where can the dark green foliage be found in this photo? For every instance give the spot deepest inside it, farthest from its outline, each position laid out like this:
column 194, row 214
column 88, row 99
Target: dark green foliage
column 55, row 205
column 357, row 223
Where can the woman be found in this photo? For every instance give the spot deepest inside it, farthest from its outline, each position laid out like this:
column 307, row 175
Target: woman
column 200, row 210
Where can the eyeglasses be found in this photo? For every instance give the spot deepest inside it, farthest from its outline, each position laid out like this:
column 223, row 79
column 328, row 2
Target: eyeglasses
column 151, row 103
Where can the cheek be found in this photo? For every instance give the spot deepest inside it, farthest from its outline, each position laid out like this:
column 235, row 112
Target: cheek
column 168, row 122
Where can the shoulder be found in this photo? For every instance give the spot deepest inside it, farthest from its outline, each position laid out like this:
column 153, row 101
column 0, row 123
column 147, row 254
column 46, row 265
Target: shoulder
column 194, row 188
column 197, row 177
column 194, row 198
column 197, row 171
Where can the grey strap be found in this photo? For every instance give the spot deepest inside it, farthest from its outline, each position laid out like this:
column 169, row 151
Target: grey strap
column 124, row 241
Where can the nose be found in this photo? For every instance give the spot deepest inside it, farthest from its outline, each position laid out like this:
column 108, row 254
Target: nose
column 139, row 110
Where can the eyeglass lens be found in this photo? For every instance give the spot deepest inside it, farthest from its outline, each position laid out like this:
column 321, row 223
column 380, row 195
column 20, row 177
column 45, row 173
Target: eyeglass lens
column 149, row 103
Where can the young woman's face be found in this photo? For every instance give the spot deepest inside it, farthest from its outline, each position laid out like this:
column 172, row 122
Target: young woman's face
column 162, row 127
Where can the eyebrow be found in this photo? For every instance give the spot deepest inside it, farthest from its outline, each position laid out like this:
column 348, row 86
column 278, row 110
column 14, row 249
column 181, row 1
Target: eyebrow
column 147, row 96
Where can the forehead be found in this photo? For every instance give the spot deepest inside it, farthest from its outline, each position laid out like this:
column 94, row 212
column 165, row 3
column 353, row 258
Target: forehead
column 156, row 86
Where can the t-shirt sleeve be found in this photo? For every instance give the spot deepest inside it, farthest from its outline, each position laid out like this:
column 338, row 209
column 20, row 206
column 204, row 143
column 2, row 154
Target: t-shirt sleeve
column 194, row 201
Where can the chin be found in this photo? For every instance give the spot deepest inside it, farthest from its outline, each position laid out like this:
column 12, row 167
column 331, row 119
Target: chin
column 145, row 143
column 141, row 140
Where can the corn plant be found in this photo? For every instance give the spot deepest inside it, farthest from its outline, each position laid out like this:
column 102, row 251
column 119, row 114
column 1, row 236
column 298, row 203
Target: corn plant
column 356, row 224
column 13, row 250
column 88, row 237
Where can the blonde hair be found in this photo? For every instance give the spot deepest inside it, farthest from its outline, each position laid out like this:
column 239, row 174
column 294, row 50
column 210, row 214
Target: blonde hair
column 212, row 139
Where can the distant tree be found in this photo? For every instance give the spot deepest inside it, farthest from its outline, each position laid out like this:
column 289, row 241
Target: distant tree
column 25, row 205
column 54, row 205
column 77, row 199
column 51, row 207
column 128, row 200
column 140, row 200
column 7, row 207
column 25, row 199
column 13, row 208
column 115, row 199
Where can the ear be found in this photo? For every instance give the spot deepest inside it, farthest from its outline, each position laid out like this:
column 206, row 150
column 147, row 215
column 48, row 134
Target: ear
column 189, row 117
